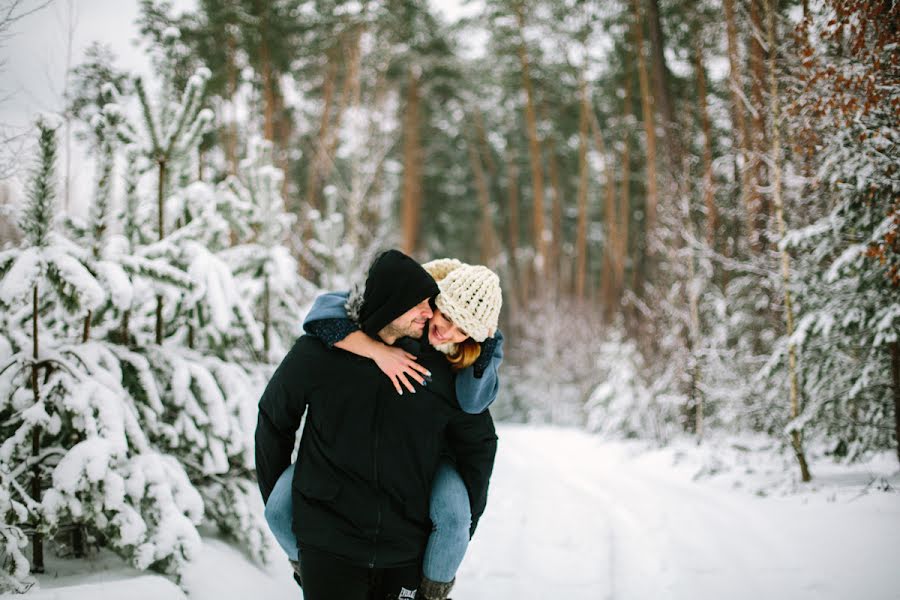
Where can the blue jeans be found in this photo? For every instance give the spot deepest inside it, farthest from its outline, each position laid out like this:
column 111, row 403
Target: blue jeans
column 280, row 514
column 450, row 516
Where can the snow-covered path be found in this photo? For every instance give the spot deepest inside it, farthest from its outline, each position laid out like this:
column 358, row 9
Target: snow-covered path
column 570, row 516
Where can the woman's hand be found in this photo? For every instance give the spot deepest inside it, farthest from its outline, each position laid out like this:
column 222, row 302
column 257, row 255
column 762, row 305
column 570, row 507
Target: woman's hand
column 399, row 366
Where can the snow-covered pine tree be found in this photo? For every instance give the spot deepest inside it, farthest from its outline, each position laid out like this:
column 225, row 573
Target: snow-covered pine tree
column 266, row 271
column 170, row 132
column 849, row 259
column 206, row 351
column 66, row 420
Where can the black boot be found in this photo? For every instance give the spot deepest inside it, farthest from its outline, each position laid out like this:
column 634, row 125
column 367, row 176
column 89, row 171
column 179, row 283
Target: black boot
column 435, row 590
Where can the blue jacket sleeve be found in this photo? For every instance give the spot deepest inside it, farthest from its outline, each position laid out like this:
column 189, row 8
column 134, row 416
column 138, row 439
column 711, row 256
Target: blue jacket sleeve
column 328, row 306
column 328, row 319
column 475, row 393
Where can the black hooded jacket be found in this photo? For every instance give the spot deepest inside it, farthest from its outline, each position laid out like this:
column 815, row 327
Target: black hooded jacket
column 368, row 455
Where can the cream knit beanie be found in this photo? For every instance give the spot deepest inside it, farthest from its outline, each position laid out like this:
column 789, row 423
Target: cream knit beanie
column 440, row 267
column 471, row 297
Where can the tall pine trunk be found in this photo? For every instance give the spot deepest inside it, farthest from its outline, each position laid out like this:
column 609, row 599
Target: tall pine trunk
column 775, row 111
column 758, row 143
column 320, row 157
column 265, row 70
column 662, row 94
column 625, row 191
column 583, row 181
column 741, row 135
column 534, row 153
column 411, row 197
column 613, row 261
column 231, row 139
column 556, row 209
column 641, row 273
column 709, row 199
column 513, row 228
column 488, row 236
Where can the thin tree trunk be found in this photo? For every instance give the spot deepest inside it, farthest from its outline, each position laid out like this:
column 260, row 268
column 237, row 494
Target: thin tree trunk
column 126, row 317
column 661, row 85
column 513, row 227
column 86, row 332
column 231, row 153
column 482, row 140
column 741, row 135
column 488, row 235
column 534, row 152
column 37, row 562
column 796, row 438
column 895, row 378
column 265, row 70
column 320, row 159
column 556, row 210
column 267, row 317
column 284, row 163
column 613, row 255
column 650, row 134
column 350, row 92
column 693, row 302
column 556, row 218
column 709, row 200
column 757, row 120
column 583, row 175
column 409, row 205
column 625, row 192
column 160, row 201
column 78, row 531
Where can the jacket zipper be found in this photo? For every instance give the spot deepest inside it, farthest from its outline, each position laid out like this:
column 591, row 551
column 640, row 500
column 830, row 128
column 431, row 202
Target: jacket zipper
column 377, row 486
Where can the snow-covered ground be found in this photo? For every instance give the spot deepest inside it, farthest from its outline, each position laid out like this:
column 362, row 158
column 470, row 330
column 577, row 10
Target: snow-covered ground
column 571, row 516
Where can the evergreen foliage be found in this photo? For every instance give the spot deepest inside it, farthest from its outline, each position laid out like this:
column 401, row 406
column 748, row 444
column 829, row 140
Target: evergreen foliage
column 139, row 443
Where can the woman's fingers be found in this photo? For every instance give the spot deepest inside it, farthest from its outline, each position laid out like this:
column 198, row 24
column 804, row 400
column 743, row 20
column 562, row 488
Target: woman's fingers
column 416, row 376
column 409, row 386
column 420, row 368
column 396, row 385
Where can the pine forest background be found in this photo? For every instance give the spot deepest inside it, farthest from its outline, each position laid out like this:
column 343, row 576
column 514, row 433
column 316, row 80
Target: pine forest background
column 693, row 205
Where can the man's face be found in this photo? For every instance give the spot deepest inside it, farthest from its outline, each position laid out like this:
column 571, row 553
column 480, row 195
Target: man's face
column 412, row 322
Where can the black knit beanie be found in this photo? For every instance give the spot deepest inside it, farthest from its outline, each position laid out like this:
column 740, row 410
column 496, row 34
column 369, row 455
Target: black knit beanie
column 395, row 284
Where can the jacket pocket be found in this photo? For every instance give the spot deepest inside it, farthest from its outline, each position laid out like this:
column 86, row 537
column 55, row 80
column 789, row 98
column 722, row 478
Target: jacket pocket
column 317, row 488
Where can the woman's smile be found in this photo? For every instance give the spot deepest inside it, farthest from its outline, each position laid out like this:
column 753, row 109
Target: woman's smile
column 443, row 331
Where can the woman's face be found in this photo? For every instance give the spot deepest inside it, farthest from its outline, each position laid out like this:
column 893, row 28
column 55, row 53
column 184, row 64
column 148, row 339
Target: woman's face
column 441, row 331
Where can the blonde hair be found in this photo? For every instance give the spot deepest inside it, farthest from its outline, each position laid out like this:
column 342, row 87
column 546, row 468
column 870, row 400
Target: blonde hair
column 465, row 355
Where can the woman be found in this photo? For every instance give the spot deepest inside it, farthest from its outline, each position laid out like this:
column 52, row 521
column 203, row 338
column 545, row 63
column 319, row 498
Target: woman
column 464, row 327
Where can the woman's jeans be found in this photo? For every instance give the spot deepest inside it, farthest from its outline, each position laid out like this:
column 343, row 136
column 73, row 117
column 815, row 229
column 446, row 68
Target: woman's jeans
column 450, row 515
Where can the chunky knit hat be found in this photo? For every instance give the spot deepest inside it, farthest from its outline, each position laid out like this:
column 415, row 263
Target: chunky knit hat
column 471, row 297
column 396, row 283
column 441, row 267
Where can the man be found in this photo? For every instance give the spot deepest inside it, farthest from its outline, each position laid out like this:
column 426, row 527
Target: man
column 367, row 455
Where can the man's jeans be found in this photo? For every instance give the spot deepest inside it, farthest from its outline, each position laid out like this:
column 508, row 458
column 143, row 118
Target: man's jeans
column 449, row 512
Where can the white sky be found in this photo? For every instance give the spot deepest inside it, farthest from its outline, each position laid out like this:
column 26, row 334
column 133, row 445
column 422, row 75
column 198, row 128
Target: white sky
column 35, row 63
